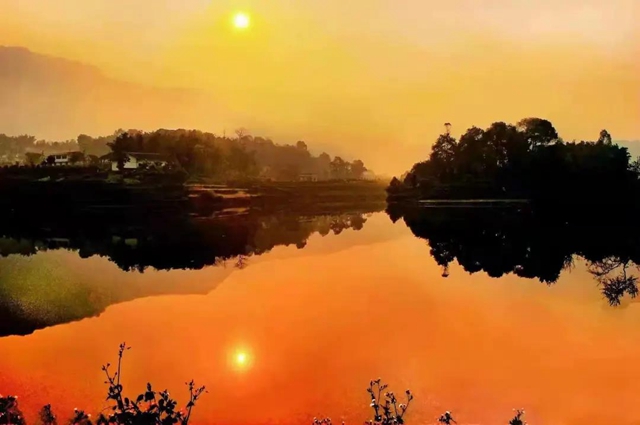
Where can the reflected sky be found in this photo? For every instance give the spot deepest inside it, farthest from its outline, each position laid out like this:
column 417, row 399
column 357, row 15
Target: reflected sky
column 315, row 325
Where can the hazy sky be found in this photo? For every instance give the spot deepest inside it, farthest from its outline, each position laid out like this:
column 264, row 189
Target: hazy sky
column 373, row 78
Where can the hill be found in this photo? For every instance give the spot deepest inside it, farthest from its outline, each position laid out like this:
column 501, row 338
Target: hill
column 50, row 96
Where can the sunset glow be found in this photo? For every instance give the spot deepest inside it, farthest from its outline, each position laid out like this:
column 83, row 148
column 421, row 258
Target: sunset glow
column 385, row 74
column 241, row 358
column 290, row 210
column 241, row 20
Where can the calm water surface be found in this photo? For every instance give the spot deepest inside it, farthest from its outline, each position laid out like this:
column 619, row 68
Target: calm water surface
column 316, row 322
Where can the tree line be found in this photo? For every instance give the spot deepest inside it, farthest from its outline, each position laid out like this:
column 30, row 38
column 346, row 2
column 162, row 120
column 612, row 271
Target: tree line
column 27, row 150
column 16, row 146
column 526, row 160
column 244, row 156
column 196, row 152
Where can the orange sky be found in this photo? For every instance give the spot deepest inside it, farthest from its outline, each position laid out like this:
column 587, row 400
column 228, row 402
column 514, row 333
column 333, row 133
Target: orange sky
column 368, row 78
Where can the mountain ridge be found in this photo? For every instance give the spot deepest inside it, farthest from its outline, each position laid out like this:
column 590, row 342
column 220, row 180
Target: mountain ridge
column 58, row 98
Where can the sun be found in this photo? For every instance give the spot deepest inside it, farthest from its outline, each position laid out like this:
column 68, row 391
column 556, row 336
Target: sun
column 241, row 358
column 241, row 21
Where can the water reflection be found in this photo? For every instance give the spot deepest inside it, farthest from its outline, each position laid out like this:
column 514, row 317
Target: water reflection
column 532, row 241
column 174, row 241
column 317, row 324
column 43, row 293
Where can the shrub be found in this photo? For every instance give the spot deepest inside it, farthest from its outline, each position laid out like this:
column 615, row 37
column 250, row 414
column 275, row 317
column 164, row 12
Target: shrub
column 158, row 408
column 9, row 411
column 148, row 408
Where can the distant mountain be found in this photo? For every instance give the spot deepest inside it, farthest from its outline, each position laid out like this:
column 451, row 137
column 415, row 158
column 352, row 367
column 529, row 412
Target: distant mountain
column 56, row 98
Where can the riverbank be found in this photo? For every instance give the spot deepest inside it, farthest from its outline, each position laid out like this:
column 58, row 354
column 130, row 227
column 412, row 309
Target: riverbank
column 166, row 193
column 301, row 195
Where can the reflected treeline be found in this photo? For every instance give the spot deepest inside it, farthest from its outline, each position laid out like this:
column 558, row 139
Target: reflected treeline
column 31, row 297
column 168, row 241
column 533, row 241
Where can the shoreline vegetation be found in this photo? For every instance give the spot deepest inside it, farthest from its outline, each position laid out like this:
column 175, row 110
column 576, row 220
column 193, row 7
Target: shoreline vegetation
column 519, row 199
column 526, row 161
column 194, row 154
column 158, row 408
column 135, row 167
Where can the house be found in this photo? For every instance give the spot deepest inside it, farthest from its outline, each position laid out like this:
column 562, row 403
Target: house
column 66, row 158
column 137, row 160
column 308, row 177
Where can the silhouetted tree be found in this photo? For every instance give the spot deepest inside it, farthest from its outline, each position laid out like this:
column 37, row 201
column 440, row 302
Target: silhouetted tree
column 339, row 168
column 205, row 154
column 357, row 169
column 195, row 152
column 604, row 137
column 524, row 161
column 241, row 132
column 534, row 241
column 76, row 157
column 33, row 158
column 443, row 156
column 634, row 167
column 120, row 146
column 324, row 165
column 538, row 131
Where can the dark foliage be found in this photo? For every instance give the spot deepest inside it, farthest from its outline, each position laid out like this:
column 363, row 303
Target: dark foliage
column 446, row 418
column 148, row 408
column 198, row 153
column 518, row 418
column 47, row 417
column 158, row 408
column 386, row 409
column 244, row 157
column 533, row 241
column 166, row 240
column 527, row 160
column 9, row 411
column 170, row 240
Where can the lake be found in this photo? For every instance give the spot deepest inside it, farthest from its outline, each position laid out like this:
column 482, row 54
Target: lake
column 287, row 317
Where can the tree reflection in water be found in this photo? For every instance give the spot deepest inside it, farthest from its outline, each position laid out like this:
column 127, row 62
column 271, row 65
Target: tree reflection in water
column 533, row 241
column 137, row 243
column 173, row 241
